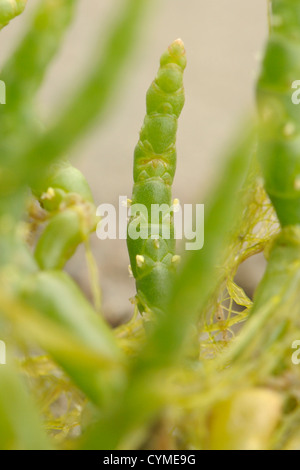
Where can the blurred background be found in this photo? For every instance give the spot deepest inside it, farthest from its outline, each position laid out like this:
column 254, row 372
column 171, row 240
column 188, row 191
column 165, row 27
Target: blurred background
column 224, row 40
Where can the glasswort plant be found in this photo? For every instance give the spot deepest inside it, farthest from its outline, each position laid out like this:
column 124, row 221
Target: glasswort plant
column 153, row 261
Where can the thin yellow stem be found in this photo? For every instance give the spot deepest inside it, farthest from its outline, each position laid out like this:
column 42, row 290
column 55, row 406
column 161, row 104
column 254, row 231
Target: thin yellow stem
column 94, row 276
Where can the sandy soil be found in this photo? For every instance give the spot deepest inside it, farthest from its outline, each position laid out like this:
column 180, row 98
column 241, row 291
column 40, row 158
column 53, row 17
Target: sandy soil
column 224, row 40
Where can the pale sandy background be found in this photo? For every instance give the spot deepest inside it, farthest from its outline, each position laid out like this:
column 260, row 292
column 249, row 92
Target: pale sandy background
column 224, row 40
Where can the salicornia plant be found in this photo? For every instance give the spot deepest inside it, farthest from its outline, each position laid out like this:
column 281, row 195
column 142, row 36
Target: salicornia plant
column 203, row 367
column 152, row 254
column 278, row 148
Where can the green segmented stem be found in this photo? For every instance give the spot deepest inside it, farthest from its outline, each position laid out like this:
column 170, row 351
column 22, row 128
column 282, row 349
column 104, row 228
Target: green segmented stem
column 23, row 74
column 67, row 197
column 9, row 9
column 58, row 298
column 279, row 149
column 95, row 92
column 152, row 260
column 279, row 146
column 64, row 180
column 25, row 70
column 17, row 406
column 59, row 240
column 282, row 266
